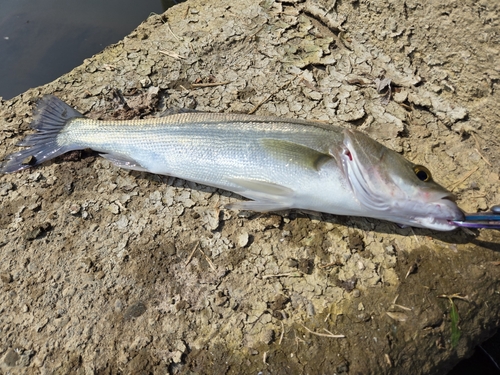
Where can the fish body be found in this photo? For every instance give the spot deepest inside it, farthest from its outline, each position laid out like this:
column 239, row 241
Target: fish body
column 271, row 161
column 277, row 163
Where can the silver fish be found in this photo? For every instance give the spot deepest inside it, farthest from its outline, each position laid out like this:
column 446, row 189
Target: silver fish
column 277, row 163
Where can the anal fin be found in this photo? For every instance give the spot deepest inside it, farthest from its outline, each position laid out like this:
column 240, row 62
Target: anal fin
column 258, row 206
column 124, row 161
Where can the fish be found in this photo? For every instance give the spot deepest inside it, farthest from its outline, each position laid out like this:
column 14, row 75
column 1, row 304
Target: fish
column 277, row 163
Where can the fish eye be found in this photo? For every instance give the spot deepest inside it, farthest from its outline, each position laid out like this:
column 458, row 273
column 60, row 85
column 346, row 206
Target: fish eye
column 422, row 173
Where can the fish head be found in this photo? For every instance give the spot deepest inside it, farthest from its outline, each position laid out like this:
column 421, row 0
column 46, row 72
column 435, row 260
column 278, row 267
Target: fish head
column 393, row 188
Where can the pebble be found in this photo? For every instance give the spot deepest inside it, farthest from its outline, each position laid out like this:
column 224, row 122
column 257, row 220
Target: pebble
column 170, row 249
column 220, row 298
column 177, row 356
column 390, row 250
column 33, row 233
column 74, row 209
column 243, row 239
column 113, row 208
column 268, row 336
column 122, row 222
column 10, row 358
column 134, row 311
column 6, row 277
column 5, row 188
column 310, row 309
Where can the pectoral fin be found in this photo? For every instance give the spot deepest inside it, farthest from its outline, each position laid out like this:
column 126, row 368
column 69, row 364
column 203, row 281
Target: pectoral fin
column 290, row 152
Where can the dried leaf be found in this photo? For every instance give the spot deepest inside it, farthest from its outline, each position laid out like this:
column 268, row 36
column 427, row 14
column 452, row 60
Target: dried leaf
column 399, row 316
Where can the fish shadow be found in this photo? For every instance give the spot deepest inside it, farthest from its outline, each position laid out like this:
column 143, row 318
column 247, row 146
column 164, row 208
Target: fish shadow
column 457, row 236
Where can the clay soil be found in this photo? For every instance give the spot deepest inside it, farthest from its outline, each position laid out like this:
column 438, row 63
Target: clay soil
column 108, row 271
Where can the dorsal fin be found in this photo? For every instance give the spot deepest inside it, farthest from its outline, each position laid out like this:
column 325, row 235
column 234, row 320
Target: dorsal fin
column 175, row 111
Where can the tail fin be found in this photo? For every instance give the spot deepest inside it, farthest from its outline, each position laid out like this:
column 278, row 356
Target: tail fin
column 49, row 118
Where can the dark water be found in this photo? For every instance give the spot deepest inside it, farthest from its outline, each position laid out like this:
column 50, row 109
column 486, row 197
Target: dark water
column 41, row 40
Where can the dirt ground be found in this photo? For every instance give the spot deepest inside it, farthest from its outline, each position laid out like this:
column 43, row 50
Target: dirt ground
column 107, row 271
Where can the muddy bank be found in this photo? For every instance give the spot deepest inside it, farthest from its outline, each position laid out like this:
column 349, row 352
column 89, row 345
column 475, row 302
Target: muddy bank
column 106, row 271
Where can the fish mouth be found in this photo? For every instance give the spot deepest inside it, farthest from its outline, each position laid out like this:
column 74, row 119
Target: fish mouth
column 442, row 215
column 450, row 202
column 451, row 197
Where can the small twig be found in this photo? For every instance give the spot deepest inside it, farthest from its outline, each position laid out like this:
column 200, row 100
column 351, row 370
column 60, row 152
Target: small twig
column 290, row 274
column 282, row 332
column 192, row 253
column 482, row 156
column 475, row 139
column 329, row 334
column 388, row 359
column 327, row 317
column 415, row 236
column 406, row 106
column 260, row 103
column 172, row 54
column 328, row 265
column 270, row 96
column 411, row 270
column 197, row 85
column 297, row 339
column 208, row 260
column 171, row 32
column 478, row 147
column 332, row 335
column 454, row 185
column 401, row 307
column 455, row 296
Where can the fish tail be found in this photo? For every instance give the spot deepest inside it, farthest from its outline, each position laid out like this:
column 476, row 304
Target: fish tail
column 50, row 117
